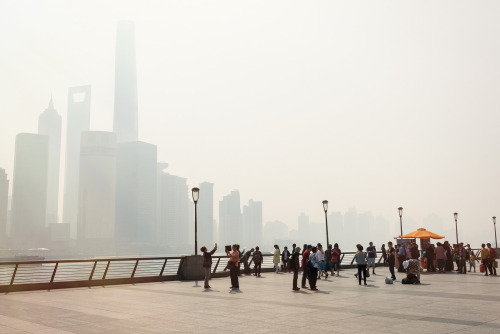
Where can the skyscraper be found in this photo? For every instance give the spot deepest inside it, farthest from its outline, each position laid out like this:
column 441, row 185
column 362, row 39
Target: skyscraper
column 49, row 124
column 97, row 187
column 29, row 192
column 206, row 215
column 4, row 200
column 303, row 228
column 252, row 223
column 125, row 123
column 230, row 221
column 136, row 192
column 173, row 206
column 78, row 122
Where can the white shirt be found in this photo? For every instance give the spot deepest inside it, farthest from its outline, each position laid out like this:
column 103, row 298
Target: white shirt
column 320, row 256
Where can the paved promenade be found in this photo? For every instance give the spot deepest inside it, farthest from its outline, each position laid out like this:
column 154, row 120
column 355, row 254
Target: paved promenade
column 443, row 303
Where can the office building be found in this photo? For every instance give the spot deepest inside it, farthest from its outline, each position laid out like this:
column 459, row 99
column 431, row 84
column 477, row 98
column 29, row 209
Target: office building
column 252, row 223
column 97, row 186
column 230, row 220
column 136, row 192
column 49, row 124
column 29, row 191
column 303, row 228
column 78, row 122
column 125, row 123
column 4, row 202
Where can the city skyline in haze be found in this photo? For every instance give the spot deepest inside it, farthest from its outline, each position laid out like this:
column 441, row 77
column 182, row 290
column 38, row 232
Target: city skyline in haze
column 289, row 103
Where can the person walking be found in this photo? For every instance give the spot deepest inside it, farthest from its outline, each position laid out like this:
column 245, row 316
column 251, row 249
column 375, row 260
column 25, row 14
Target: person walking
column 440, row 257
column 295, row 267
column 493, row 256
column 384, row 254
column 285, row 256
column 313, row 269
column 233, row 267
column 391, row 262
column 361, row 259
column 207, row 263
column 336, row 258
column 485, row 260
column 372, row 254
column 305, row 268
column 276, row 258
column 257, row 260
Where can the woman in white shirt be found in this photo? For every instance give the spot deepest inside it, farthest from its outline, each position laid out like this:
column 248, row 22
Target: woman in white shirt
column 320, row 256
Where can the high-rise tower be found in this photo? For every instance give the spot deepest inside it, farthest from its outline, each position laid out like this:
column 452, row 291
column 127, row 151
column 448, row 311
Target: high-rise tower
column 78, row 122
column 125, row 115
column 49, row 124
column 4, row 199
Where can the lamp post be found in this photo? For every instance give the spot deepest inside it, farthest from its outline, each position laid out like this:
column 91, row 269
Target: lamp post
column 495, row 226
column 400, row 210
column 456, row 224
column 325, row 207
column 196, row 195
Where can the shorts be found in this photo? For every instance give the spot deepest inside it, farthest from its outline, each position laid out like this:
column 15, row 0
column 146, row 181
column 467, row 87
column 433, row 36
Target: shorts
column 321, row 266
column 371, row 262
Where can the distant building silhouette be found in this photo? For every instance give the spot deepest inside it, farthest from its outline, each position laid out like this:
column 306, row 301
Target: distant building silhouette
column 125, row 123
column 136, row 192
column 49, row 124
column 4, row 202
column 206, row 214
column 335, row 227
column 97, row 188
column 29, row 192
column 252, row 223
column 230, row 220
column 303, row 227
column 274, row 231
column 173, row 206
column 78, row 122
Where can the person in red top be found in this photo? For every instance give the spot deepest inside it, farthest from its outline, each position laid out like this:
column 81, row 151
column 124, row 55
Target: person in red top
column 233, row 267
column 336, row 258
column 493, row 255
column 305, row 269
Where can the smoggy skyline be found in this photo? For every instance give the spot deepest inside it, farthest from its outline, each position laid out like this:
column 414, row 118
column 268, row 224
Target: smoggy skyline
column 291, row 103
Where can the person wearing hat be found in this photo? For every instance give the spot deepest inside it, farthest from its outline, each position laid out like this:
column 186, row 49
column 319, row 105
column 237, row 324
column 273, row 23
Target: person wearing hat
column 295, row 267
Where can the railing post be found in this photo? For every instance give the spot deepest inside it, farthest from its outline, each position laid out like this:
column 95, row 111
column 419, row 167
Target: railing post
column 163, row 267
column 180, row 265
column 54, row 273
column 93, row 270
column 106, row 271
column 215, row 269
column 342, row 258
column 14, row 274
column 135, row 268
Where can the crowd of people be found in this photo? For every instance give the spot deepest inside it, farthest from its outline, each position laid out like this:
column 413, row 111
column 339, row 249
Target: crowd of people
column 315, row 262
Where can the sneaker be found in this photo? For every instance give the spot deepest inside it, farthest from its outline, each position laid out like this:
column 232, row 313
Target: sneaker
column 326, row 276
column 365, row 283
column 314, row 289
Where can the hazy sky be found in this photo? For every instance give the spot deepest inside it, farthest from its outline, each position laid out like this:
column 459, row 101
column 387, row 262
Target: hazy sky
column 372, row 104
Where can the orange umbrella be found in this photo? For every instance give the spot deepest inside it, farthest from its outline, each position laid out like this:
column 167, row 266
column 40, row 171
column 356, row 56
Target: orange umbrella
column 422, row 233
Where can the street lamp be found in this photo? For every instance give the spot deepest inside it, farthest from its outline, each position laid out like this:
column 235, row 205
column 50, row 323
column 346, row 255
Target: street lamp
column 196, row 195
column 456, row 224
column 325, row 207
column 495, row 226
column 400, row 210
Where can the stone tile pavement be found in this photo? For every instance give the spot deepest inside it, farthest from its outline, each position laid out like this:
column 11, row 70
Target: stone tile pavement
column 443, row 303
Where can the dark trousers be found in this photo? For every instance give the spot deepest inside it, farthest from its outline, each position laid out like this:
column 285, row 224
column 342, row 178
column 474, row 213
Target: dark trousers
column 233, row 272
column 430, row 264
column 257, row 268
column 305, row 275
column 283, row 268
column 463, row 267
column 246, row 267
column 313, row 278
column 295, row 278
column 488, row 266
column 391, row 269
column 401, row 259
column 361, row 270
column 385, row 259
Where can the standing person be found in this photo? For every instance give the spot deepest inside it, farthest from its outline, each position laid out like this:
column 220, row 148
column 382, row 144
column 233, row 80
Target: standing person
column 472, row 259
column 328, row 259
column 246, row 257
column 449, row 256
column 401, row 257
column 284, row 257
column 233, row 267
column 336, row 258
column 276, row 258
column 305, row 268
column 372, row 254
column 463, row 258
column 493, row 256
column 207, row 263
column 313, row 269
column 257, row 260
column 456, row 257
column 320, row 254
column 361, row 259
column 295, row 267
column 384, row 254
column 440, row 257
column 429, row 254
column 485, row 260
column 391, row 261
column 415, row 254
column 293, row 248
